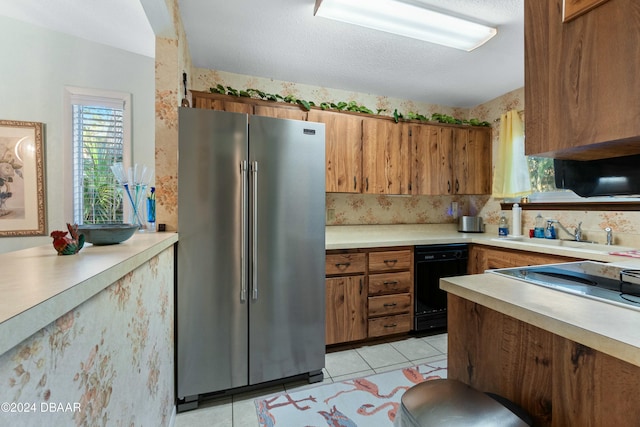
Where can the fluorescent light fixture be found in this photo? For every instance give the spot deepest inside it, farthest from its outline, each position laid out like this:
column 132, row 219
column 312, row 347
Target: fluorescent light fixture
column 409, row 20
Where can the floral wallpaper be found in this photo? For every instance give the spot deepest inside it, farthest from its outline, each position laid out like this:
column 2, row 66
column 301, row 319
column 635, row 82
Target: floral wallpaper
column 172, row 59
column 107, row 362
column 352, row 209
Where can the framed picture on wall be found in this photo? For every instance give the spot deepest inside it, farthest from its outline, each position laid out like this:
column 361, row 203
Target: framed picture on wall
column 22, row 195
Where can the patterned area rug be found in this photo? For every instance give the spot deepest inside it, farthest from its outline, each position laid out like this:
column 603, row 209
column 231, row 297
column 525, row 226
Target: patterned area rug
column 364, row 402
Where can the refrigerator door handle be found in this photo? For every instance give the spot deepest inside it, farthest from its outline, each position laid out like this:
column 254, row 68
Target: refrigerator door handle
column 243, row 286
column 254, row 242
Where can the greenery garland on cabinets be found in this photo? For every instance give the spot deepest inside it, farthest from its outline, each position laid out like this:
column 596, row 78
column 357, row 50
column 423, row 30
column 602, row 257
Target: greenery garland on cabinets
column 342, row 106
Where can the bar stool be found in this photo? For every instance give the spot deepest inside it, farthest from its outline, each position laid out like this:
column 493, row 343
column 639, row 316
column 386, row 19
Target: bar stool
column 450, row 403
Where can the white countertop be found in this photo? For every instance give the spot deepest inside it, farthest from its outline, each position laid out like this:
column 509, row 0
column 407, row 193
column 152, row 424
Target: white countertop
column 38, row 286
column 605, row 327
column 371, row 236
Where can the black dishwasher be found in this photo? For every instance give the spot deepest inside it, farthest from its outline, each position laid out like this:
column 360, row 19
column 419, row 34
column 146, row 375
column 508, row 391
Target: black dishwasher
column 432, row 262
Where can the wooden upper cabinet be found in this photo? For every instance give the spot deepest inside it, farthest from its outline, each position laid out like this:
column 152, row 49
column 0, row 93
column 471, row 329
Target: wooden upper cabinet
column 450, row 160
column 581, row 83
column 376, row 155
column 343, row 150
column 431, row 159
column 471, row 161
column 385, row 157
column 280, row 112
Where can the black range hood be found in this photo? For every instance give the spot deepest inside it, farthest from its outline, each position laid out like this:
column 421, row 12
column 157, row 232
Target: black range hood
column 617, row 176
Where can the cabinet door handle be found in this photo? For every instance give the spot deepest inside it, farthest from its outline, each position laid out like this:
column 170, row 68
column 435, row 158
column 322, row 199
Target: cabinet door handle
column 355, row 183
column 391, row 304
column 448, row 186
column 457, row 185
column 360, row 286
column 390, row 282
column 393, row 325
column 366, row 187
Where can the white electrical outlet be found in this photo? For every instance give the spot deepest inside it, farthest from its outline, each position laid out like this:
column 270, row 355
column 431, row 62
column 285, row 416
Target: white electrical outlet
column 454, row 210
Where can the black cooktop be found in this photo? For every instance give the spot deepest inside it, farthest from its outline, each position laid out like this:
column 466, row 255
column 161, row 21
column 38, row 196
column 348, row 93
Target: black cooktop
column 589, row 279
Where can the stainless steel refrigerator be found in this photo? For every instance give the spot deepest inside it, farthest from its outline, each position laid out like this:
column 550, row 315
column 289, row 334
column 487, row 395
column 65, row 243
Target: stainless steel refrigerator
column 250, row 270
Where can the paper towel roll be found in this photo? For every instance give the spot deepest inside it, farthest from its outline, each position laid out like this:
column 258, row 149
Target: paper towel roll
column 516, row 222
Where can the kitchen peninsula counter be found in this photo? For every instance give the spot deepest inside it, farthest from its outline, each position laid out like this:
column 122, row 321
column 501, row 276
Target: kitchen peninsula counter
column 565, row 359
column 606, row 327
column 38, row 286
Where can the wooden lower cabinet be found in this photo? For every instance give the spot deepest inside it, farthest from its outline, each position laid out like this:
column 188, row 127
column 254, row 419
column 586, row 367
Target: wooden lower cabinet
column 559, row 382
column 346, row 313
column 369, row 293
column 482, row 258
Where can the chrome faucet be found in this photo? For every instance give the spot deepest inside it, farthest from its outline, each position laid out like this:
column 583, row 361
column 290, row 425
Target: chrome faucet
column 577, row 235
column 609, row 235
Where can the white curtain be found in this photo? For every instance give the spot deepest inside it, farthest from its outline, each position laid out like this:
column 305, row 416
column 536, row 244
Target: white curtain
column 511, row 173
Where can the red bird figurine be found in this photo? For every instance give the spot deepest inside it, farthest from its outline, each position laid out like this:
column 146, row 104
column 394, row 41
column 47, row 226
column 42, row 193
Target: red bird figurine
column 68, row 245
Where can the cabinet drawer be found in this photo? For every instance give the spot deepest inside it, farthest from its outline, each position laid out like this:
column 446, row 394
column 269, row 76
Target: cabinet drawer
column 390, row 283
column 389, row 261
column 389, row 304
column 345, row 263
column 389, row 325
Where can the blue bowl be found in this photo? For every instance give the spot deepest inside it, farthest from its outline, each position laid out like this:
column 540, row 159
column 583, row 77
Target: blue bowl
column 107, row 234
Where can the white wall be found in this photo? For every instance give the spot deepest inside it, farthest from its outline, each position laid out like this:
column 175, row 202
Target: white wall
column 35, row 66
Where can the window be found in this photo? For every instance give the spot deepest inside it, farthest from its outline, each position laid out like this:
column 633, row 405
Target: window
column 99, row 137
column 542, row 174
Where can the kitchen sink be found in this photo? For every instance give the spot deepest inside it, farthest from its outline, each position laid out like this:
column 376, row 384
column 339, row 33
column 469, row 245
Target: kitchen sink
column 588, row 279
column 582, row 246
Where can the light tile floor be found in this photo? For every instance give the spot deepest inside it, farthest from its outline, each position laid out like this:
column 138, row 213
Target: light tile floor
column 340, row 364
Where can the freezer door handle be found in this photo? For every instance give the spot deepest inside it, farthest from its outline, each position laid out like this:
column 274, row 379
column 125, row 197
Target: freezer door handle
column 254, row 243
column 243, row 257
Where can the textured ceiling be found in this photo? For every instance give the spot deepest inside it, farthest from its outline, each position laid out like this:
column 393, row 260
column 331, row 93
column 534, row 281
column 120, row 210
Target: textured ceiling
column 281, row 39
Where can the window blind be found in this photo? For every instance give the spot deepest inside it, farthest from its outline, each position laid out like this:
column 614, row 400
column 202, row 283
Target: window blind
column 98, row 135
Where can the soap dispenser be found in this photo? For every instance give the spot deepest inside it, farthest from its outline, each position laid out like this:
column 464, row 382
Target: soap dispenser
column 550, row 231
column 538, row 230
